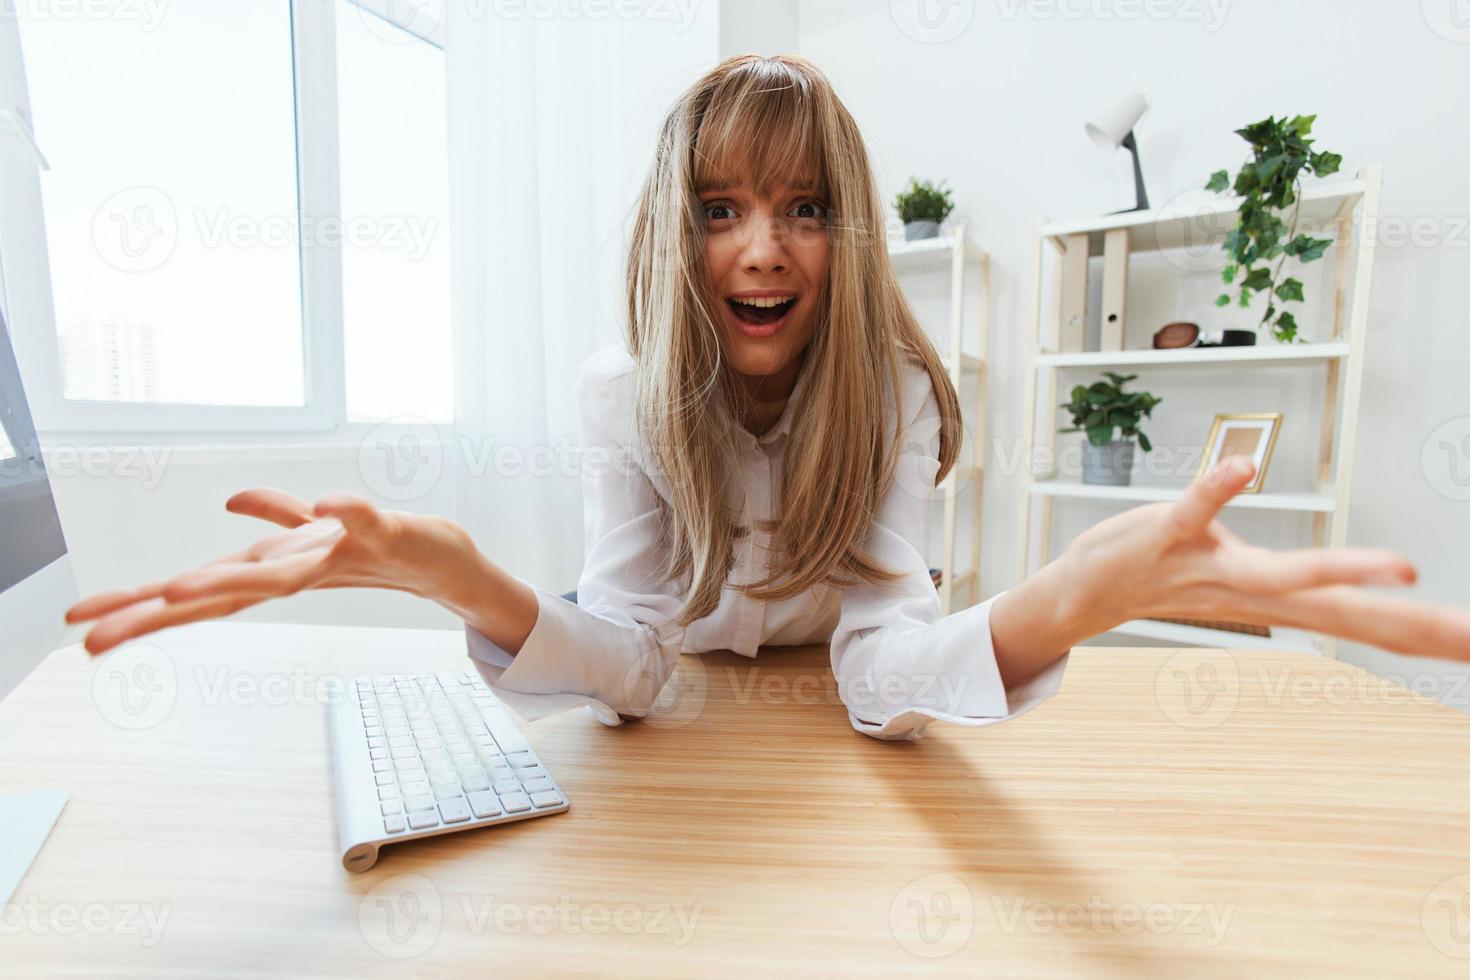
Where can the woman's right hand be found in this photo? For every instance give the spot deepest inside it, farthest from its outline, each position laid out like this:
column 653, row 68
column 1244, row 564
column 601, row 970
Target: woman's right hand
column 341, row 541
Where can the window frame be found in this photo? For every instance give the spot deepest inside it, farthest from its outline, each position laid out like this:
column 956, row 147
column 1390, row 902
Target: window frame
column 315, row 85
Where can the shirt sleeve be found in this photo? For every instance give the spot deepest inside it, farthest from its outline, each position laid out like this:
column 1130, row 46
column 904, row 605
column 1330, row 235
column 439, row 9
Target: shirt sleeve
column 899, row 663
column 614, row 648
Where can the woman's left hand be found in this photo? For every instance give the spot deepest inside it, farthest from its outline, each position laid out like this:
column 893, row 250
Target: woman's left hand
column 1175, row 560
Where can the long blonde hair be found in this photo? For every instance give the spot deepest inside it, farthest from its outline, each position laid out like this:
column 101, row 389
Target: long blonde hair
column 771, row 119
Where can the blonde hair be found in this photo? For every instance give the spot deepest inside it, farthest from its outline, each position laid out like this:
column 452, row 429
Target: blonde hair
column 769, row 120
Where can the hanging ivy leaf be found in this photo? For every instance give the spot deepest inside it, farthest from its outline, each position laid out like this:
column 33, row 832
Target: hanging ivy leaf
column 1269, row 185
column 1290, row 289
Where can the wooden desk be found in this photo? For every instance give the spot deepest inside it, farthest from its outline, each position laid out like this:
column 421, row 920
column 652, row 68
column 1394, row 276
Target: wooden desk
column 1171, row 813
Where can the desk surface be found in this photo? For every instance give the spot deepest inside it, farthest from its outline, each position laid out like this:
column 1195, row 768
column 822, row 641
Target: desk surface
column 1169, row 813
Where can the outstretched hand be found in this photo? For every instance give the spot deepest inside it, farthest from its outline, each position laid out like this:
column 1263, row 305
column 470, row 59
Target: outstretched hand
column 1175, row 560
column 342, row 540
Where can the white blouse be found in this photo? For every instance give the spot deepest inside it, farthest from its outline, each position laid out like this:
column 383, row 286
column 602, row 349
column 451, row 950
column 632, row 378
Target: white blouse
column 898, row 662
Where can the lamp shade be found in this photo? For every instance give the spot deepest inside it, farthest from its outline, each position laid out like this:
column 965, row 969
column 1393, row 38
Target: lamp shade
column 1110, row 127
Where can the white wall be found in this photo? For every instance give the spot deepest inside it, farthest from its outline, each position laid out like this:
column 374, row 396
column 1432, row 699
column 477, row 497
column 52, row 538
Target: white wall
column 993, row 96
column 765, row 27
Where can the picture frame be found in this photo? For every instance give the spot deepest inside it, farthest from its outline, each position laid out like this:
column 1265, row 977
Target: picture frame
column 1250, row 434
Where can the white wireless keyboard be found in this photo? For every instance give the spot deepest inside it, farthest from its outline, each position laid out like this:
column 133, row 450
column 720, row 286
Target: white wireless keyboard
column 419, row 755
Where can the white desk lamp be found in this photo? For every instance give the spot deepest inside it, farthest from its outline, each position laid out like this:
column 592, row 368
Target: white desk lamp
column 1113, row 128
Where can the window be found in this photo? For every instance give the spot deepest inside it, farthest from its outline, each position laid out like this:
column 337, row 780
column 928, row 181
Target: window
column 171, row 205
column 246, row 214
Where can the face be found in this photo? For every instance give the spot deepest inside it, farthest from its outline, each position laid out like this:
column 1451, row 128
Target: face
column 767, row 259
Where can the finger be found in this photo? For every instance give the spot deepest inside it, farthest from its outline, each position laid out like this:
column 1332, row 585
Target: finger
column 276, row 506
column 156, row 614
column 1202, row 501
column 276, row 577
column 356, row 513
column 1400, row 625
column 1262, row 571
column 96, row 606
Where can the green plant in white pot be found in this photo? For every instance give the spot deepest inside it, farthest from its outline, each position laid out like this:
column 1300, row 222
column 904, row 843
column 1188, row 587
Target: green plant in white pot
column 1110, row 416
column 923, row 207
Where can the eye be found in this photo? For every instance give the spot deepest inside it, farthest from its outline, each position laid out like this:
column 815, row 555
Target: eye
column 809, row 211
column 717, row 211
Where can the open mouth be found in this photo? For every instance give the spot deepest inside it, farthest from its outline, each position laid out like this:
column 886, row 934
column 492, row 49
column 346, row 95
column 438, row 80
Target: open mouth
column 759, row 311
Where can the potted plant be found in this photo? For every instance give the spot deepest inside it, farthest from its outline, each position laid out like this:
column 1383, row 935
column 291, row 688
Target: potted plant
column 923, row 207
column 1268, row 184
column 1110, row 416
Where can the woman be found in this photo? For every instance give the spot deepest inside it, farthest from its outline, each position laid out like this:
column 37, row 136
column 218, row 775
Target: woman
column 776, row 421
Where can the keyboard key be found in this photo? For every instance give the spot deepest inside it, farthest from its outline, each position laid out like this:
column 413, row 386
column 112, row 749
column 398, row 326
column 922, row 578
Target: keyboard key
column 530, row 772
column 383, row 778
column 521, row 760
column 503, row 786
column 542, row 800
column 382, row 765
column 387, row 792
column 446, row 791
column 390, row 807
column 515, row 802
column 485, row 804
column 506, row 735
column 415, row 789
column 393, row 825
column 474, row 784
column 534, row 786
column 423, row 820
column 378, row 753
column 455, row 810
column 415, row 804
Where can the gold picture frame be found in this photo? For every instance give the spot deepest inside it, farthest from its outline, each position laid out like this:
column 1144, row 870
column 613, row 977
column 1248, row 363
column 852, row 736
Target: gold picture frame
column 1257, row 439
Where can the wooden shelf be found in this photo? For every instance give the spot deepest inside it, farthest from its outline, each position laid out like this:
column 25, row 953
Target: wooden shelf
column 941, row 248
column 1260, row 354
column 1207, row 218
column 953, row 252
column 1281, row 638
column 1320, row 503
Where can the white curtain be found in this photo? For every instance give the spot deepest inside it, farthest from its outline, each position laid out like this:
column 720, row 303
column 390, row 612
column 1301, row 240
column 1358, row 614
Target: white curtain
column 553, row 110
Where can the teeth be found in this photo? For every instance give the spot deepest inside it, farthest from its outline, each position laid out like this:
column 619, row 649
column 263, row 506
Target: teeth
column 763, row 302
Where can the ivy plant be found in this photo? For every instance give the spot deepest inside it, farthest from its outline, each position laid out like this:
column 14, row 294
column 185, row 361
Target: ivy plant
column 924, row 201
column 1268, row 184
column 1100, row 407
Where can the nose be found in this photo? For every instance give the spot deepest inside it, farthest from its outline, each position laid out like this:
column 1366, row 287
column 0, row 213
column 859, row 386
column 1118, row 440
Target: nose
column 763, row 248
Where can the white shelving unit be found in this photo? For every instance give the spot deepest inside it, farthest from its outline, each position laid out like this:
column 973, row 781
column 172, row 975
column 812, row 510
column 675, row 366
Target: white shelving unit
column 1340, row 205
column 961, row 256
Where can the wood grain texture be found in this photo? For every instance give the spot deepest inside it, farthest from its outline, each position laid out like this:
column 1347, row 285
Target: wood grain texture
column 1171, row 813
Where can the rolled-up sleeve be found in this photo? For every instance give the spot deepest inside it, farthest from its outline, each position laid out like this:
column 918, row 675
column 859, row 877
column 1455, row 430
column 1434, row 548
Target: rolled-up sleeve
column 899, row 662
column 614, row 648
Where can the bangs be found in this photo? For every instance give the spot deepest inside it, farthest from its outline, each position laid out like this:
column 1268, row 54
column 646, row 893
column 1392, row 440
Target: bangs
column 760, row 128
